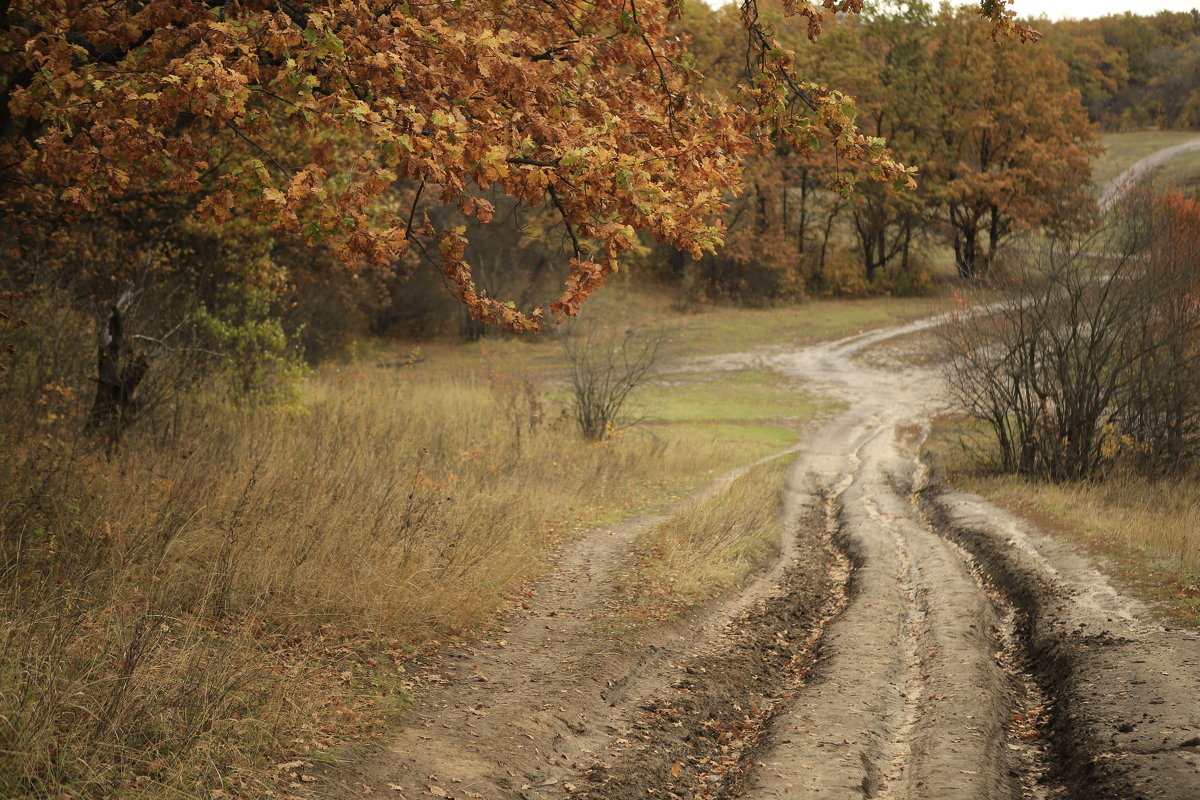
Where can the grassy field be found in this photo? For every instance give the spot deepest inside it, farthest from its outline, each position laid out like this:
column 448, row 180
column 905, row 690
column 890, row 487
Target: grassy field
column 1123, row 149
column 190, row 585
column 750, row 410
column 716, row 328
column 1182, row 173
column 159, row 606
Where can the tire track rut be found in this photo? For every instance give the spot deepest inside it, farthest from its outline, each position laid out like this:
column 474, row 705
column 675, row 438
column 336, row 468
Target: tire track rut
column 907, row 643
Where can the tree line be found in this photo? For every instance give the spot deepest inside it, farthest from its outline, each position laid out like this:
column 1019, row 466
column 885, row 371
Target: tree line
column 1000, row 134
column 208, row 189
column 1133, row 71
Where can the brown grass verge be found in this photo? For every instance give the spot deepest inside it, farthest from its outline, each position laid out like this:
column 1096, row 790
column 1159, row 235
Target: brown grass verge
column 243, row 593
column 1145, row 531
column 706, row 548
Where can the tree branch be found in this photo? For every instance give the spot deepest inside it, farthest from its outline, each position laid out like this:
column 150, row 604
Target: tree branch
column 533, row 162
column 562, row 211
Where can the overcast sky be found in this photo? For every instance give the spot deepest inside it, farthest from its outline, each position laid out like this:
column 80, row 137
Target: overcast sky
column 1078, row 9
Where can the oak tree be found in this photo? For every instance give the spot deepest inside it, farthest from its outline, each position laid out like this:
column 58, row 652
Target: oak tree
column 1012, row 143
column 306, row 115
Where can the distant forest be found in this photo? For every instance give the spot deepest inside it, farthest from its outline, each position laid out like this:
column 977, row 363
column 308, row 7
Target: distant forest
column 1132, row 71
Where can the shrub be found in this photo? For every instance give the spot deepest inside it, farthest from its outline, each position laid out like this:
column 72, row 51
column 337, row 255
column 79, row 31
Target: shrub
column 1092, row 356
column 605, row 367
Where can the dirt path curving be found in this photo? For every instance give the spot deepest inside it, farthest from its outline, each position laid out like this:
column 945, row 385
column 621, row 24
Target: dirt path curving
column 1114, row 189
column 979, row 658
column 909, row 642
column 526, row 713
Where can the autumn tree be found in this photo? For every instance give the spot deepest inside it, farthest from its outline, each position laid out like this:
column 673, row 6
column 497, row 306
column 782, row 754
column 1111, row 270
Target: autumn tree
column 1094, row 67
column 1012, row 145
column 343, row 123
column 881, row 57
column 1133, row 70
column 1093, row 360
column 306, row 117
column 891, row 60
column 171, row 301
column 780, row 228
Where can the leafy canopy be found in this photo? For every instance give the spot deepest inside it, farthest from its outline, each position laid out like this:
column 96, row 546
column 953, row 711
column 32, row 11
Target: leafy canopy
column 310, row 115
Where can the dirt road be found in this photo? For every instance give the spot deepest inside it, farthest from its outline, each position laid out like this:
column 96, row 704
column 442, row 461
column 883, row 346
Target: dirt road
column 909, row 642
column 1113, row 190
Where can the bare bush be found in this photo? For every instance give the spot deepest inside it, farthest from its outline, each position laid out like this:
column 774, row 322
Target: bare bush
column 605, row 367
column 1091, row 355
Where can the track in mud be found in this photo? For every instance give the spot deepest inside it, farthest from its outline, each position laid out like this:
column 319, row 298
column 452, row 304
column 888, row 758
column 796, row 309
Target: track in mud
column 908, row 643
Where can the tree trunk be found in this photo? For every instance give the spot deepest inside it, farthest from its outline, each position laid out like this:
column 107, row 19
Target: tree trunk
column 118, row 375
column 993, row 235
column 803, row 223
column 964, row 252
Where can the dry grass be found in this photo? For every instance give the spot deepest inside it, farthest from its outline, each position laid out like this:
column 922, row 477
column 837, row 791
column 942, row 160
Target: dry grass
column 1123, row 149
column 707, row 548
column 1181, row 173
column 1147, row 530
column 158, row 610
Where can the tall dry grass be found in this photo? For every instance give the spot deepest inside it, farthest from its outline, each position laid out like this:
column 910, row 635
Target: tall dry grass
column 233, row 590
column 707, row 547
column 1146, row 528
column 1154, row 521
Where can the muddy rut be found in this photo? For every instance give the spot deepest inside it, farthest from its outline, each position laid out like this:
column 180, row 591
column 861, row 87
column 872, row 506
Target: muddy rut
column 908, row 642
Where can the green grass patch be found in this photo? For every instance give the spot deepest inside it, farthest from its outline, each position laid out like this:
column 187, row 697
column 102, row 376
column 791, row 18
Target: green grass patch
column 721, row 330
column 712, row 398
column 1123, row 149
column 757, row 441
